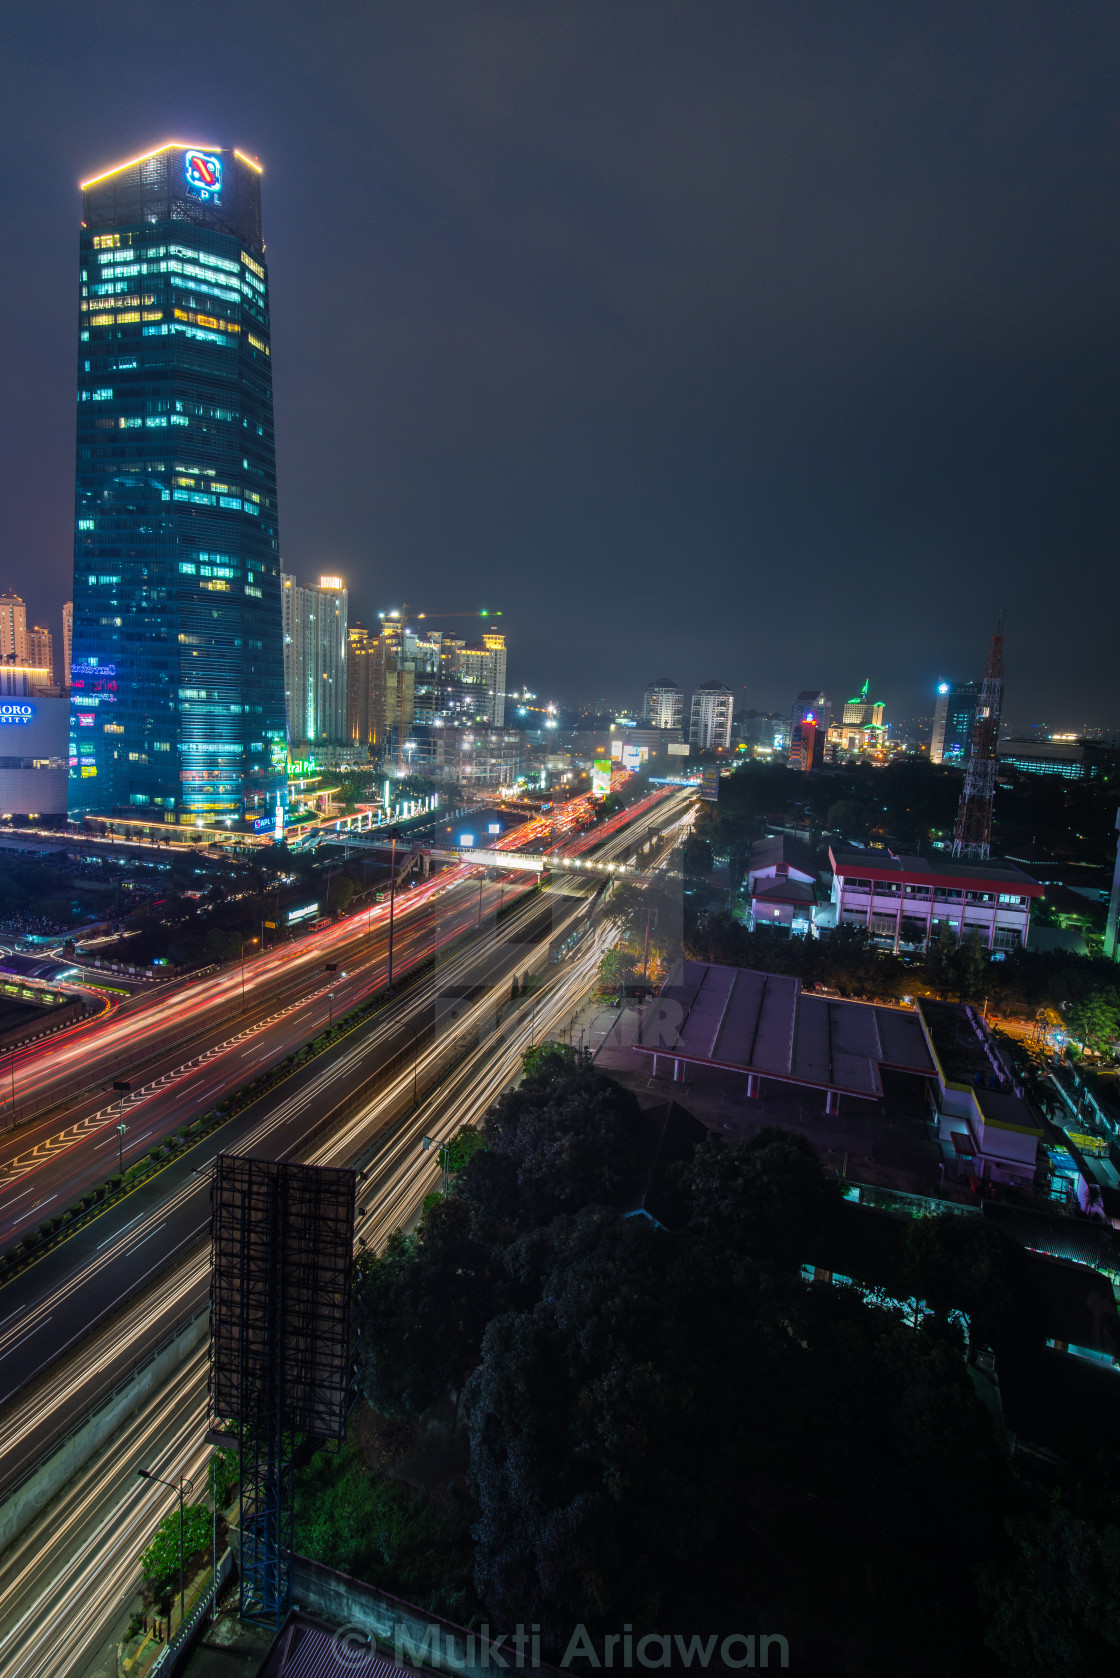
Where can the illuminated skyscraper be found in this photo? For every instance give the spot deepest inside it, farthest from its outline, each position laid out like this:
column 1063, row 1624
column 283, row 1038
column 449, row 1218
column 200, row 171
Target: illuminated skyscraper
column 13, row 628
column 40, row 648
column 954, row 716
column 178, row 677
column 67, row 640
column 315, row 647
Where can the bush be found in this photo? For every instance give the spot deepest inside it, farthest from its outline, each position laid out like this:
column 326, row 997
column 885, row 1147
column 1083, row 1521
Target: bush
column 115, row 1182
column 160, row 1562
column 31, row 1239
column 46, row 1229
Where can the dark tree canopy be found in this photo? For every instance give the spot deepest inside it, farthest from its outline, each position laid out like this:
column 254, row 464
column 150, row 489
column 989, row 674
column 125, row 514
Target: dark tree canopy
column 672, row 1428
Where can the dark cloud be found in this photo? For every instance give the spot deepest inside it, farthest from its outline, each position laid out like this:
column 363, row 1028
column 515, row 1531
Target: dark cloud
column 773, row 342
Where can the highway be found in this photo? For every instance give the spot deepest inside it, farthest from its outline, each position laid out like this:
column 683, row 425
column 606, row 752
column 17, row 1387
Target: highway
column 54, row 1302
column 59, row 1598
column 63, row 1583
column 45, row 1166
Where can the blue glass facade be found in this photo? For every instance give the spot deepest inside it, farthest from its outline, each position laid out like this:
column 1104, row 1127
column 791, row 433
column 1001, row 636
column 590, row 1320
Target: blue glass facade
column 177, row 680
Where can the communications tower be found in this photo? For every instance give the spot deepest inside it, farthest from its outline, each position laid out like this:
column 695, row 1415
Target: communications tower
column 972, row 836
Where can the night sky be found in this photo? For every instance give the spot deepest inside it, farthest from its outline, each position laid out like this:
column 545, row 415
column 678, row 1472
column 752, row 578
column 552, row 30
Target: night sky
column 768, row 341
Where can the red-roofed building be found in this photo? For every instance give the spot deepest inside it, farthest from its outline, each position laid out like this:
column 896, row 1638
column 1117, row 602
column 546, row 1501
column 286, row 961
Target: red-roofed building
column 908, row 899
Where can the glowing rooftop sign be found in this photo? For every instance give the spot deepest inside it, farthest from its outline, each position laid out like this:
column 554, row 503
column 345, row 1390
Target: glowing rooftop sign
column 203, row 173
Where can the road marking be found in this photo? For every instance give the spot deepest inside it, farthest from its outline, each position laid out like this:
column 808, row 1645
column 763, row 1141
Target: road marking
column 27, row 1336
column 45, row 1202
column 139, row 1244
column 14, row 1314
column 120, row 1231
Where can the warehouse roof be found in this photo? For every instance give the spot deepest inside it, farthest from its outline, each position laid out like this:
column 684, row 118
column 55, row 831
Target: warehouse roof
column 746, row 1021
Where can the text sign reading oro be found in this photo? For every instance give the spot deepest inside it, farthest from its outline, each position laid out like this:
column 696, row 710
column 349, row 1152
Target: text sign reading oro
column 13, row 711
column 203, row 171
column 280, row 1363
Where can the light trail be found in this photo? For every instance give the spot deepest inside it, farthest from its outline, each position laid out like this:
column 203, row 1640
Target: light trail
column 59, row 1599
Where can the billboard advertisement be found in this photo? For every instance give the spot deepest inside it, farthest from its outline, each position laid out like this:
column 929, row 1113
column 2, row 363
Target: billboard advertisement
column 709, row 785
column 601, row 778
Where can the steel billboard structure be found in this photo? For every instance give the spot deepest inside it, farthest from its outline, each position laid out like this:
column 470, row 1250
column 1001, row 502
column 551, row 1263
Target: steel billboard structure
column 280, row 1365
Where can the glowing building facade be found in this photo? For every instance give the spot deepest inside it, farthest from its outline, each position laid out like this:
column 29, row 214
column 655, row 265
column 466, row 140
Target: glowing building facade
column 177, row 677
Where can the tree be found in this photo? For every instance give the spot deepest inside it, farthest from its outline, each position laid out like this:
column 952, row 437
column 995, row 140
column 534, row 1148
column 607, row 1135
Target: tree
column 159, row 1564
column 1094, row 1017
column 616, row 970
column 420, row 1310
column 341, row 892
column 966, row 1264
column 1053, row 1602
column 696, row 856
column 764, row 1196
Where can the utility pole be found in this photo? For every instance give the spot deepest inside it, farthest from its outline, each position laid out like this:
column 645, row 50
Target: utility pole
column 392, row 899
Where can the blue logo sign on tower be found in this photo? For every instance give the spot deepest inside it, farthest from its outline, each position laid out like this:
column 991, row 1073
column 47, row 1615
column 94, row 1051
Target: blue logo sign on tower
column 203, row 173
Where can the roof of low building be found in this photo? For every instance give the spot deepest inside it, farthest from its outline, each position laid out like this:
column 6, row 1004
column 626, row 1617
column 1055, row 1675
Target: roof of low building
column 929, row 871
column 747, row 1021
column 1079, row 1240
column 782, row 848
column 784, row 890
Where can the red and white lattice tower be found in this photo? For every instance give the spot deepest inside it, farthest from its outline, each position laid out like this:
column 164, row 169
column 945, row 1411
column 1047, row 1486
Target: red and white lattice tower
column 972, row 836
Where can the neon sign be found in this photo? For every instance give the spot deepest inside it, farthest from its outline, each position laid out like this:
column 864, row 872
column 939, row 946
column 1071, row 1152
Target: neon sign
column 203, row 173
column 15, row 713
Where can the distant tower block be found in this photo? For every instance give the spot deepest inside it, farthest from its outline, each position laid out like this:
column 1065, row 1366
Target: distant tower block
column 972, row 836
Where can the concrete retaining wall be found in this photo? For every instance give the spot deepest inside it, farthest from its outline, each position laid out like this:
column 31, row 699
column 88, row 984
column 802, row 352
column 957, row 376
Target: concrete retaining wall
column 30, row 1497
column 414, row 1637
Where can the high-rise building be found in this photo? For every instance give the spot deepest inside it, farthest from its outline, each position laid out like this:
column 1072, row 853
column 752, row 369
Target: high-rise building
column 13, row 629
column 177, row 700
column 663, row 704
column 485, row 666
column 40, row 648
column 812, row 705
column 710, row 716
column 863, row 712
column 359, row 687
column 67, row 640
column 315, row 646
column 954, row 716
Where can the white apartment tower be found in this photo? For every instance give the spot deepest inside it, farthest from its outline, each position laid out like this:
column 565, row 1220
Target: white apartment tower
column 663, row 706
column 709, row 723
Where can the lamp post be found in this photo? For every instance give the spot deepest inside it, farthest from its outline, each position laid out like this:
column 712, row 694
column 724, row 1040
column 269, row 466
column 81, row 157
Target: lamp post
column 175, row 1486
column 243, row 944
column 122, row 1087
column 392, row 901
column 331, row 967
column 427, row 1142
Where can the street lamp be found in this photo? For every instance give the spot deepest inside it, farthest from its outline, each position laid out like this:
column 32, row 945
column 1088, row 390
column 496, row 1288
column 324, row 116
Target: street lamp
column 392, row 901
column 122, row 1086
column 175, row 1486
column 243, row 943
column 427, row 1142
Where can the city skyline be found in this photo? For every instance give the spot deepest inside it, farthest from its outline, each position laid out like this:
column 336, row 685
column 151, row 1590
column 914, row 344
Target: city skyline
column 668, row 411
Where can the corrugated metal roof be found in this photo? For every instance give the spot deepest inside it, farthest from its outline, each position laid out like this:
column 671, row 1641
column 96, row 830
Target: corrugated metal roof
column 1076, row 1239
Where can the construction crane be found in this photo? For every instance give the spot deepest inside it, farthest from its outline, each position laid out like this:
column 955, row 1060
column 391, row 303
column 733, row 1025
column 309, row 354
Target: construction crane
column 972, row 836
